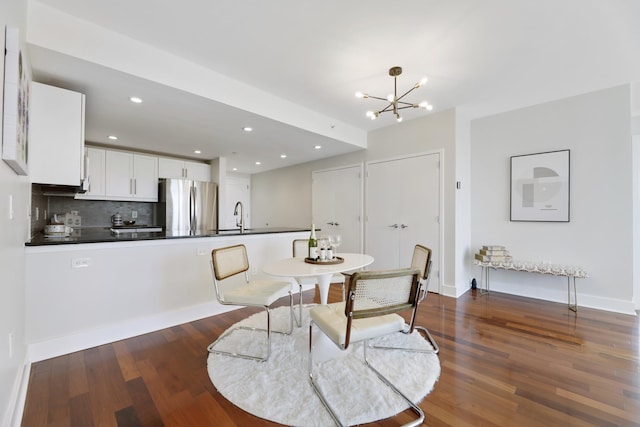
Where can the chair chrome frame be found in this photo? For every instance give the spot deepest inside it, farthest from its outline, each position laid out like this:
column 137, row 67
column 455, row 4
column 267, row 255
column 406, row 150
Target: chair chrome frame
column 220, row 274
column 352, row 314
column 421, row 260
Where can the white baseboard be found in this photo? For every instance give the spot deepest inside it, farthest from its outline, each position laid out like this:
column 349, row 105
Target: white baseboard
column 560, row 295
column 15, row 406
column 454, row 291
column 114, row 332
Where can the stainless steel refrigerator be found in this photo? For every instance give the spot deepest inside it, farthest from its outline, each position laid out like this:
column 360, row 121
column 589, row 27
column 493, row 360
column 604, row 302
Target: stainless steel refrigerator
column 187, row 207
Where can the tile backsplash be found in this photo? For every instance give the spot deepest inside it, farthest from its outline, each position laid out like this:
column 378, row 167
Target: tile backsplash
column 92, row 213
column 97, row 213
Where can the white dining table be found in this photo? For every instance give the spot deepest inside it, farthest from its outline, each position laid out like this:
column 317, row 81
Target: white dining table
column 297, row 267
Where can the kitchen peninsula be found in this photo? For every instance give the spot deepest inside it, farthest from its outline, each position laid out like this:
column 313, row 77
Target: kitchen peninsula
column 81, row 294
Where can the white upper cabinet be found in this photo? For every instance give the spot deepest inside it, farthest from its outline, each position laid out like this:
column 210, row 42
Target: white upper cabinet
column 56, row 135
column 94, row 165
column 131, row 176
column 177, row 168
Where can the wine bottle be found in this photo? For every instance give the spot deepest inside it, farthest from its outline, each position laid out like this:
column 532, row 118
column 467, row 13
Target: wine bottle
column 313, row 244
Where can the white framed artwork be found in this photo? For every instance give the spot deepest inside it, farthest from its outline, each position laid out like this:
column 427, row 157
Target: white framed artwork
column 15, row 117
column 540, row 187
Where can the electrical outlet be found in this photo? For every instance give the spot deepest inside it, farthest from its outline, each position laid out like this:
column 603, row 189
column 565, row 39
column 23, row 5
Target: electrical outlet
column 202, row 251
column 134, row 214
column 80, row 262
column 254, row 271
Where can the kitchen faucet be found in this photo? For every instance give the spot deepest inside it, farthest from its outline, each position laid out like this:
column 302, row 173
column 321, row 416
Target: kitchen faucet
column 240, row 222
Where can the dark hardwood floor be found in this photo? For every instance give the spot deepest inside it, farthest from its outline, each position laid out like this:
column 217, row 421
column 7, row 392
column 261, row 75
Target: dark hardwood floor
column 506, row 361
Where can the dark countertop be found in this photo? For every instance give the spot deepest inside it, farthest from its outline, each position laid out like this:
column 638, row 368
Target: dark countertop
column 104, row 235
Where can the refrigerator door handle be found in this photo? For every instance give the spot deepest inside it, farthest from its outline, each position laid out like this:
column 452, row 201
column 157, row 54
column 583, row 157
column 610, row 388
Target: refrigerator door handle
column 192, row 209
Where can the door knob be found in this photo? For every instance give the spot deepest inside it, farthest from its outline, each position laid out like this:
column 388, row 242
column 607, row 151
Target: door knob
column 403, row 226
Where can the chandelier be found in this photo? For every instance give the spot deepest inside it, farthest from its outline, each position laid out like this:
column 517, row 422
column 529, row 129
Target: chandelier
column 395, row 101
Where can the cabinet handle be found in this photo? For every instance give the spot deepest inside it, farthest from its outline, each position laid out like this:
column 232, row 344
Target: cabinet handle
column 135, row 186
column 130, row 185
column 403, row 226
column 393, row 226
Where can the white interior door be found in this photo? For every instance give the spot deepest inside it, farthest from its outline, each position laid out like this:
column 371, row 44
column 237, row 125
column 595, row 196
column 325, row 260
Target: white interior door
column 337, row 205
column 403, row 206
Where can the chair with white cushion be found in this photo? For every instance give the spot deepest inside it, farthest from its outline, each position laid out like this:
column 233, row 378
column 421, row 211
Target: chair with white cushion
column 421, row 260
column 373, row 300
column 300, row 250
column 231, row 261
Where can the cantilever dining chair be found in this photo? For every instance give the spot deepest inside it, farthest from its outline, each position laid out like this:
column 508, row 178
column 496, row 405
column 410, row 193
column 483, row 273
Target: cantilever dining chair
column 373, row 300
column 300, row 248
column 231, row 261
column 420, row 260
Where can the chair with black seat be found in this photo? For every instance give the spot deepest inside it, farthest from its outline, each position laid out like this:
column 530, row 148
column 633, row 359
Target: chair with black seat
column 232, row 261
column 374, row 299
column 300, row 249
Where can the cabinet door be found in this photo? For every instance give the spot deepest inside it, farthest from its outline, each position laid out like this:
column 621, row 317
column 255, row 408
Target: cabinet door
column 95, row 159
column 56, row 135
column 119, row 168
column 170, row 168
column 198, row 171
column 145, row 177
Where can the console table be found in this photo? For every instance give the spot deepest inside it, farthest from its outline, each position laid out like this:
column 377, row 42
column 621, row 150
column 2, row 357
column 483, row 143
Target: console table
column 571, row 272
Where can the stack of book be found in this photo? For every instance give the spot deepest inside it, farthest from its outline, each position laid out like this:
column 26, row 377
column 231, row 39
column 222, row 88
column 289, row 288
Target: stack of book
column 493, row 253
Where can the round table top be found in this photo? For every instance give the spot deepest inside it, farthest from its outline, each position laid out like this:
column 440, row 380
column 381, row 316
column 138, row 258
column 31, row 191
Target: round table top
column 296, row 267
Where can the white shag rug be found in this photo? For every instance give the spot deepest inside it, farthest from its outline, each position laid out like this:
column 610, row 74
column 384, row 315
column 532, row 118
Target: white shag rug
column 279, row 390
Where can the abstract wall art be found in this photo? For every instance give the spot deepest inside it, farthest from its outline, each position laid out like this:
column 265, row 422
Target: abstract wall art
column 540, row 187
column 15, row 117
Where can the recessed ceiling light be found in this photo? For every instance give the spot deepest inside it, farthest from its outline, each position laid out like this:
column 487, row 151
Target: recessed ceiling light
column 197, row 151
column 317, row 147
column 258, row 163
column 283, row 156
column 247, row 129
column 235, row 169
column 135, row 99
column 112, row 137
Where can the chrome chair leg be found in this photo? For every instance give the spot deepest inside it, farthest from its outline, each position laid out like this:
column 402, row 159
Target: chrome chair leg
column 384, row 379
column 211, row 347
column 314, row 385
column 415, row 408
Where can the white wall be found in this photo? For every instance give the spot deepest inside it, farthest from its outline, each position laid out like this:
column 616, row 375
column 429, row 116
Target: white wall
column 12, row 236
column 636, row 216
column 283, row 197
column 596, row 128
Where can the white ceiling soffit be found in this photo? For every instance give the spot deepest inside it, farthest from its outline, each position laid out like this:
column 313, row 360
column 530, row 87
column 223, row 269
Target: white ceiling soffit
column 300, row 63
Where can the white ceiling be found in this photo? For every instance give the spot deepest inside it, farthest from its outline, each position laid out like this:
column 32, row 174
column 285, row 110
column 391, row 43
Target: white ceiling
column 481, row 56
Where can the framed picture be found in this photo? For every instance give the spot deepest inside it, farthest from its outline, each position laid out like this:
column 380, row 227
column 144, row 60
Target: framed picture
column 15, row 116
column 540, row 187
